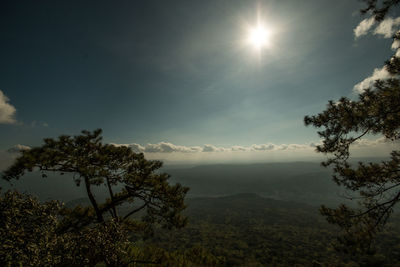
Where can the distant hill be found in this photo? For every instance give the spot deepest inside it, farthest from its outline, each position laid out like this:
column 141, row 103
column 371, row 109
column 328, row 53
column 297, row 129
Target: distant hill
column 55, row 186
column 306, row 182
column 299, row 181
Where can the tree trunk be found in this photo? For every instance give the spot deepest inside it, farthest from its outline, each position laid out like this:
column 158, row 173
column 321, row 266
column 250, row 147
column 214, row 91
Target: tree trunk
column 93, row 201
column 112, row 199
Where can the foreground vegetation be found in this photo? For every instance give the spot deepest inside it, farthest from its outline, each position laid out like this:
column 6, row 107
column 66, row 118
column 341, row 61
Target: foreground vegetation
column 237, row 230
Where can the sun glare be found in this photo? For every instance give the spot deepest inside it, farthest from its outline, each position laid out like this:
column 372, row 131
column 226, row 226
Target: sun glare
column 258, row 36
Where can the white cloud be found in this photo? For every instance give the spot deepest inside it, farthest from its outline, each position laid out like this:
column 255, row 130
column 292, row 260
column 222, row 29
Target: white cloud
column 263, row 147
column 211, row 148
column 211, row 154
column 165, row 147
column 153, row 148
column 363, row 27
column 387, row 27
column 239, row 148
column 18, row 148
column 297, row 146
column 396, row 44
column 162, row 147
column 7, row 111
column 170, row 151
column 378, row 74
column 137, row 148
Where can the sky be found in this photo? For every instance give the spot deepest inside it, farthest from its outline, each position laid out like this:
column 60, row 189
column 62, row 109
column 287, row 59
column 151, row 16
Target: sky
column 178, row 80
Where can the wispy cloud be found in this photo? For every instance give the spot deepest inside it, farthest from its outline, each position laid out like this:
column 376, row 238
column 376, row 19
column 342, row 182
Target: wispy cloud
column 18, row 148
column 162, row 147
column 263, row 147
column 165, row 147
column 211, row 148
column 239, row 148
column 39, row 124
column 396, row 44
column 387, row 27
column 363, row 27
column 378, row 74
column 7, row 111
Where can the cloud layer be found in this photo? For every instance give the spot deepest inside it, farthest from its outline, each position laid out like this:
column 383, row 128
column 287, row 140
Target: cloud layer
column 7, row 111
column 165, row 147
column 168, row 148
column 210, row 154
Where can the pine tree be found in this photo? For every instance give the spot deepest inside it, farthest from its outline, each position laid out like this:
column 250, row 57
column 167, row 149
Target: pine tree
column 93, row 163
column 376, row 112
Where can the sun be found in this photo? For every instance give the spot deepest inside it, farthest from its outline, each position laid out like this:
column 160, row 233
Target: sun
column 258, row 36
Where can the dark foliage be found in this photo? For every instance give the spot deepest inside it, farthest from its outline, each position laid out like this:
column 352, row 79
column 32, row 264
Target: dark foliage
column 29, row 236
column 379, row 8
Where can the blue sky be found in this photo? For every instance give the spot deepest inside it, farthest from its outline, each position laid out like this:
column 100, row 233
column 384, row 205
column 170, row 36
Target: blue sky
column 178, row 72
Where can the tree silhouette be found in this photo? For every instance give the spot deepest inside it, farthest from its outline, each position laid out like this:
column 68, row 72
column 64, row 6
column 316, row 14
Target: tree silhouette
column 376, row 112
column 379, row 9
column 92, row 163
